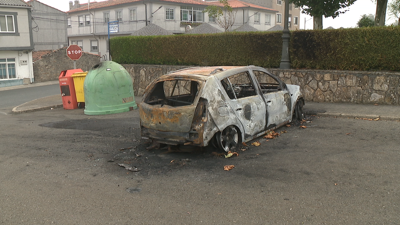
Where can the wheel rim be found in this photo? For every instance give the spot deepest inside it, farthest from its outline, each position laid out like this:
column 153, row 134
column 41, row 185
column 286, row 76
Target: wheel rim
column 228, row 139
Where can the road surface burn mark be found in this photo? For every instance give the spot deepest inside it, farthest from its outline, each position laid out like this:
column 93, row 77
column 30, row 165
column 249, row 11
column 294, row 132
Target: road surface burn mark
column 83, row 124
column 127, row 151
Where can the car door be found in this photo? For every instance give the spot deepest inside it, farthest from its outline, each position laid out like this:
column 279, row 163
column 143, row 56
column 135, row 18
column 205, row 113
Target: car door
column 246, row 102
column 277, row 98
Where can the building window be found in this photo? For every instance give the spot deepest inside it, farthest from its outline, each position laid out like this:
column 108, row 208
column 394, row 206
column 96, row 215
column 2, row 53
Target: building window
column 81, row 21
column 94, row 46
column 106, row 17
column 7, row 68
column 296, row 20
column 73, row 42
column 257, row 18
column 80, row 44
column 169, row 14
column 87, row 20
column 7, row 24
column 132, row 15
column 118, row 15
column 69, row 21
column 279, row 2
column 191, row 14
column 279, row 18
column 267, row 19
column 211, row 19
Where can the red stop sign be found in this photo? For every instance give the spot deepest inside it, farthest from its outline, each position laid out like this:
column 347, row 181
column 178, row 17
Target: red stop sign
column 74, row 52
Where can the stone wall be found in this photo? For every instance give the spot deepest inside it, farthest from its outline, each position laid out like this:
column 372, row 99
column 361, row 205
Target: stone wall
column 345, row 86
column 49, row 66
column 316, row 85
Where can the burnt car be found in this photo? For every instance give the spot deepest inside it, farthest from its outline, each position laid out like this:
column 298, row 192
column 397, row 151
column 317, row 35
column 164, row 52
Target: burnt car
column 223, row 106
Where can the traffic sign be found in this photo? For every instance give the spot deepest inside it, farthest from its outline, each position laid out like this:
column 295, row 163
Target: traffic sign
column 74, row 52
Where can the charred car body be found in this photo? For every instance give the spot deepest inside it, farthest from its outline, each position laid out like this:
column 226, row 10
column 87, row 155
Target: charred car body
column 223, row 106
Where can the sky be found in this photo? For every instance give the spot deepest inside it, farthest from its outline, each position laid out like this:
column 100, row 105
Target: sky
column 346, row 20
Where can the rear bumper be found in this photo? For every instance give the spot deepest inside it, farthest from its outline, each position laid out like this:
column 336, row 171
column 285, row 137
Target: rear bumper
column 172, row 138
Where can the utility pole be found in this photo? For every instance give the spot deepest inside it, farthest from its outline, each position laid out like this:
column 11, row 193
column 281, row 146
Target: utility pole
column 285, row 61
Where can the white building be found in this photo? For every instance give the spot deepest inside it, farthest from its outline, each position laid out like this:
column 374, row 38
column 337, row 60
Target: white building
column 88, row 23
column 16, row 43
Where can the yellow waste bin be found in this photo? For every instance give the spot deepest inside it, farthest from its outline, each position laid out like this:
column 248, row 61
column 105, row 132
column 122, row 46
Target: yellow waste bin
column 79, row 80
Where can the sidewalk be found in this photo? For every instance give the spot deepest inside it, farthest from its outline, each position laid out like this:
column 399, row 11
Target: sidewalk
column 346, row 110
column 28, row 85
column 49, row 102
column 349, row 110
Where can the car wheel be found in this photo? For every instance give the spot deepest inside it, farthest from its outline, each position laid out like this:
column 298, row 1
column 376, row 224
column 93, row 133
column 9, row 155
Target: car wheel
column 228, row 139
column 298, row 111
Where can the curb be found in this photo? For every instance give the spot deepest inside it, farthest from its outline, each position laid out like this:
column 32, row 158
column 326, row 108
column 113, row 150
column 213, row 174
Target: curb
column 16, row 111
column 353, row 116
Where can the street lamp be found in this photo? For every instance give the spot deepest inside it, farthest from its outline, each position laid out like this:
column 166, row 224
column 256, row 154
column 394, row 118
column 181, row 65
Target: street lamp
column 285, row 61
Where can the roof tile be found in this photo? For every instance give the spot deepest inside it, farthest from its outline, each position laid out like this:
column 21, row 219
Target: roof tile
column 110, row 3
column 13, row 3
column 204, row 28
column 151, row 30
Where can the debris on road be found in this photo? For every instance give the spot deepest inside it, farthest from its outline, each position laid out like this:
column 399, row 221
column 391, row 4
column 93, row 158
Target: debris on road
column 271, row 135
column 304, row 127
column 130, row 168
column 133, row 190
column 256, row 143
column 180, row 162
column 228, row 167
column 230, row 154
column 123, row 149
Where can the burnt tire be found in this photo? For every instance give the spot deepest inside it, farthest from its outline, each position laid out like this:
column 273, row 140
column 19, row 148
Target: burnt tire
column 228, row 139
column 298, row 113
column 214, row 142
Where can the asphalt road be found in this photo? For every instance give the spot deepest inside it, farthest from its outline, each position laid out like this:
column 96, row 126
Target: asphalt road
column 61, row 167
column 11, row 98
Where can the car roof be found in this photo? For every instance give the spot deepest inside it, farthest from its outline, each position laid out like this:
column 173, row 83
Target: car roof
column 205, row 71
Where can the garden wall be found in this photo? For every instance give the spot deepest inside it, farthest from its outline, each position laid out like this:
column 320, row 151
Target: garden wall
column 50, row 65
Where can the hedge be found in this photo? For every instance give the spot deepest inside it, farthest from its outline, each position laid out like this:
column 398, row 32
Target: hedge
column 375, row 48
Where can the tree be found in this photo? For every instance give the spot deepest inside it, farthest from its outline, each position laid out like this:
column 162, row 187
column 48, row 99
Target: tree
column 224, row 16
column 394, row 9
column 380, row 14
column 327, row 8
column 366, row 21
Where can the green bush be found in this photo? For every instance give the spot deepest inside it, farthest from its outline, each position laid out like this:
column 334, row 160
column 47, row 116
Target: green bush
column 253, row 48
column 374, row 48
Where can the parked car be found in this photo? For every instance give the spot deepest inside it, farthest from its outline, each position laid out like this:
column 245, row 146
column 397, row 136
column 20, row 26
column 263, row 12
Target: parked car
column 224, row 106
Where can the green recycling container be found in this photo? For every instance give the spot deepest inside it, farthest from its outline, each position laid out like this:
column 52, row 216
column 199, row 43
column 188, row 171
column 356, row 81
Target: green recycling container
column 108, row 89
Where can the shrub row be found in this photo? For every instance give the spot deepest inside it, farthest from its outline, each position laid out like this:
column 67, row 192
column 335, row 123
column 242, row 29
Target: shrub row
column 375, row 48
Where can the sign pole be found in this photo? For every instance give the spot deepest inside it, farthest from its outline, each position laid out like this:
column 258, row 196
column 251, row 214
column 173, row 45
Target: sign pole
column 115, row 29
column 109, row 41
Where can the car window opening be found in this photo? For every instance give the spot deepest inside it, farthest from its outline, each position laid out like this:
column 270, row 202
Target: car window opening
column 239, row 86
column 173, row 93
column 267, row 83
